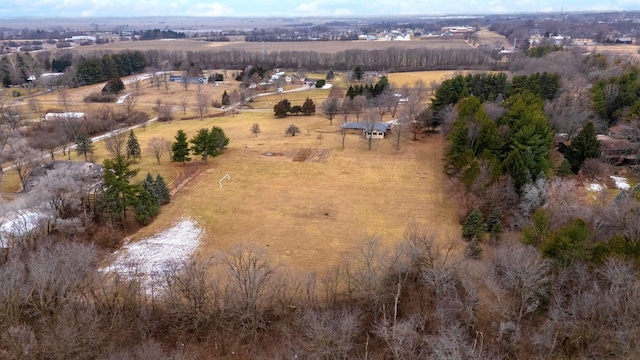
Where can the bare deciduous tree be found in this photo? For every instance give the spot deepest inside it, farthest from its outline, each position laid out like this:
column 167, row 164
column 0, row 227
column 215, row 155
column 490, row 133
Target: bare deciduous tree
column 523, row 274
column 117, row 143
column 202, row 103
column 158, row 147
column 330, row 108
column 64, row 98
column 23, row 158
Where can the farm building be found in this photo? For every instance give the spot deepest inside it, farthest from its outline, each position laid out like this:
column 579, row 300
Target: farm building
column 377, row 131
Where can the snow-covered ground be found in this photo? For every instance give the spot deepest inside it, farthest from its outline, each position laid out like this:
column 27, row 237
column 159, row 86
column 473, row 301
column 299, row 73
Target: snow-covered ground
column 150, row 257
column 122, row 98
column 18, row 223
column 595, row 187
column 621, row 183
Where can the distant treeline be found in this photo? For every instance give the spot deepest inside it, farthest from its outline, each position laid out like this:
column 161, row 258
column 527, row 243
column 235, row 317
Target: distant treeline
column 392, row 59
column 102, row 66
column 160, row 34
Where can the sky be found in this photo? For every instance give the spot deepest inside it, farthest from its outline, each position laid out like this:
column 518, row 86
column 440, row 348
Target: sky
column 287, row 8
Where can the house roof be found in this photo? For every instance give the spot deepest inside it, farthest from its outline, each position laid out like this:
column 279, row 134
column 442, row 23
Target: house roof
column 379, row 126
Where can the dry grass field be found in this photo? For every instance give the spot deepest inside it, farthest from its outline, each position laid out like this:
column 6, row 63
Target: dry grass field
column 618, row 50
column 308, row 214
column 304, row 199
column 319, row 46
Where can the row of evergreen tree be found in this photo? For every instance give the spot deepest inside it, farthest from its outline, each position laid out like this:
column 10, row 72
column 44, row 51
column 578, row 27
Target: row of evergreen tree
column 205, row 143
column 370, row 91
column 94, row 70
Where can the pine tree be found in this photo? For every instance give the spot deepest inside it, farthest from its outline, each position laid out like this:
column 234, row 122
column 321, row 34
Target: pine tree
column 149, row 184
column 474, row 226
column 84, row 145
column 162, row 190
column 226, row 100
column 494, row 224
column 584, row 146
column 308, row 107
column 202, row 144
column 133, row 147
column 118, row 192
column 146, row 207
column 180, row 148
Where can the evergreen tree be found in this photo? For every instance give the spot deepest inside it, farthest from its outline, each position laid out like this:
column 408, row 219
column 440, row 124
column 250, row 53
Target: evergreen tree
column 474, row 226
column 133, row 147
column 84, row 145
column 202, row 144
column 330, row 75
column 564, row 169
column 308, row 107
column 146, row 206
column 494, row 224
column 161, row 190
column 180, row 148
column 515, row 167
column 226, row 100
column 282, row 108
column 118, row 193
column 584, row 146
column 149, row 184
column 219, row 140
column 113, row 86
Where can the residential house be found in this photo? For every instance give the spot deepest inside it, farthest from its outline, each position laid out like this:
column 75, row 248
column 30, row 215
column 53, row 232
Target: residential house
column 377, row 131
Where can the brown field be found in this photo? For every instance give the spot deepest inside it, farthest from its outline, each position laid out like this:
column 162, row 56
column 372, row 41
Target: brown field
column 484, row 37
column 303, row 199
column 308, row 214
column 319, row 46
column 619, row 50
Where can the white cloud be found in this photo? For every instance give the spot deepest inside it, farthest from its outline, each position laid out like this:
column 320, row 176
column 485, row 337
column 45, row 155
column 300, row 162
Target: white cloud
column 212, row 9
column 342, row 12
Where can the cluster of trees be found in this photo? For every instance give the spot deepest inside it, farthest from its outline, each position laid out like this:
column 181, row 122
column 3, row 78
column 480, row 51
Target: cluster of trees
column 118, row 194
column 494, row 87
column 416, row 301
column 93, row 70
column 368, row 90
column 516, row 144
column 618, row 97
column 284, row 108
column 159, row 34
column 205, row 143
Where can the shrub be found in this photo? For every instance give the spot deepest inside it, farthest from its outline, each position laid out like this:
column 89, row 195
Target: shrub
column 97, row 97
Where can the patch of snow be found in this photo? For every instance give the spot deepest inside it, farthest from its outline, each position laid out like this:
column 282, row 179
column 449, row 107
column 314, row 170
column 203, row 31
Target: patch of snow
column 19, row 223
column 621, row 183
column 122, row 98
column 595, row 187
column 150, row 257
